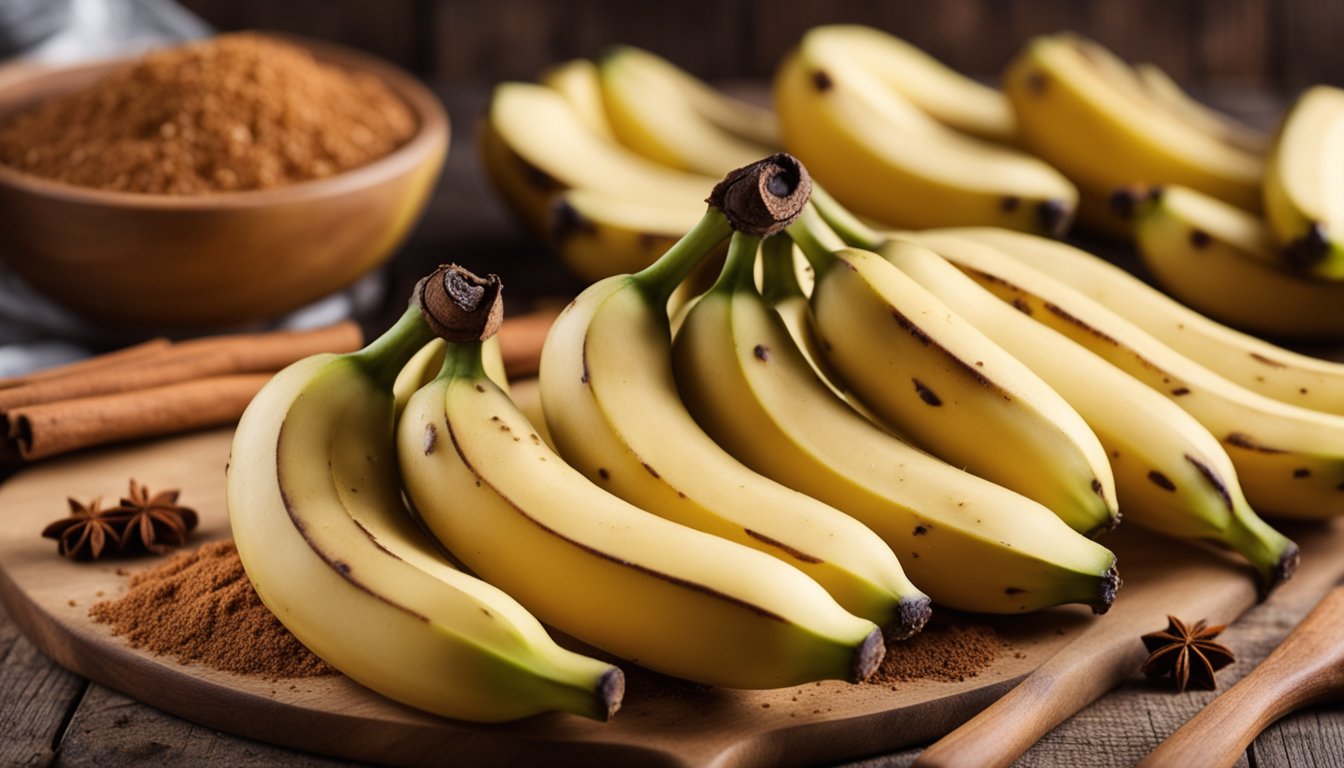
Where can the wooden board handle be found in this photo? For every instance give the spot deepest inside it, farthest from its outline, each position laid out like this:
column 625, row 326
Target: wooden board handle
column 1306, row 668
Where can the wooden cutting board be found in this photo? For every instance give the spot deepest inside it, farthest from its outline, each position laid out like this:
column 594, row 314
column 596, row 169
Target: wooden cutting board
column 662, row 722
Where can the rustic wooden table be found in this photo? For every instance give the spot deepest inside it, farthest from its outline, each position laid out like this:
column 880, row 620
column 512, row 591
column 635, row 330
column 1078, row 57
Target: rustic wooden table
column 49, row 716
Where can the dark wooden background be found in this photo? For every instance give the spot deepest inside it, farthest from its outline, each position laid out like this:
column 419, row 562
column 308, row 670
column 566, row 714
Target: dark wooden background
column 1278, row 45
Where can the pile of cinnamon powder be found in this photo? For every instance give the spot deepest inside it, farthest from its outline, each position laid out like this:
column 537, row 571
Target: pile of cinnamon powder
column 231, row 113
column 947, row 654
column 200, row 607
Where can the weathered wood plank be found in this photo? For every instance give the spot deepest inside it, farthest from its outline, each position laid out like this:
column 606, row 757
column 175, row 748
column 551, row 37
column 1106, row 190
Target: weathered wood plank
column 111, row 730
column 35, row 697
column 1232, row 42
column 1309, row 35
column 1313, row 738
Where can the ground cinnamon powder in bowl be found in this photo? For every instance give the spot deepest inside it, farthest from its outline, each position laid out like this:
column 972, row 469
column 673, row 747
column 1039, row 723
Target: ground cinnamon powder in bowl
column 231, row 113
column 201, row 608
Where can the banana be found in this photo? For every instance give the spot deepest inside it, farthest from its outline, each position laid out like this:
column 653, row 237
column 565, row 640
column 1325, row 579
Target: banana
column 598, row 234
column 921, row 367
column 315, row 508
column 1085, row 112
column 424, row 366
column 578, row 82
column 886, row 159
column 533, row 146
column 1171, row 473
column 735, row 117
column 612, row 406
column 945, row 94
column 1303, row 191
column 652, row 112
column 748, row 385
column 662, row 595
column 1167, row 93
column 1164, row 224
column 1290, row 460
column 1225, row 262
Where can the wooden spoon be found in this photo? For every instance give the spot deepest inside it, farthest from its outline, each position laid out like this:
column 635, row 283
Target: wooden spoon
column 1307, row 668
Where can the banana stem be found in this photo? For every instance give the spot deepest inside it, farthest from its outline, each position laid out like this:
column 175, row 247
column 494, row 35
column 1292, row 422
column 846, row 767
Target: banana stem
column 383, row 358
column 846, row 225
column 739, row 267
column 779, row 279
column 663, row 276
column 463, row 360
column 816, row 239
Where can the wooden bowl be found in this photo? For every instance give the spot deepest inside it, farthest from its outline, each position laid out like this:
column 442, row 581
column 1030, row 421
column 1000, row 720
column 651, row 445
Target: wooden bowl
column 195, row 261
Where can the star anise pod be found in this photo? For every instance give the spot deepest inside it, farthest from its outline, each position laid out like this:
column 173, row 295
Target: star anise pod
column 87, row 532
column 1187, row 653
column 155, row 522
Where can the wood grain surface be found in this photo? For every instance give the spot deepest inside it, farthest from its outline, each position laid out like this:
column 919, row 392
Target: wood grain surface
column 662, row 722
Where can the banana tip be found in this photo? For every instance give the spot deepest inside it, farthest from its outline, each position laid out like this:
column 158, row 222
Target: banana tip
column 1110, row 584
column 912, row 614
column 1282, row 571
column 611, row 691
column 869, row 655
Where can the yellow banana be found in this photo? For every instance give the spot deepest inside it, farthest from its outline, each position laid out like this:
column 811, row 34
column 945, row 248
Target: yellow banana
column 921, row 367
column 659, row 594
column 1164, row 224
column 1086, row 113
column 1290, row 459
column 1171, row 473
column 750, row 387
column 315, row 509
column 1303, row 189
column 886, row 159
column 612, row 407
column 577, row 81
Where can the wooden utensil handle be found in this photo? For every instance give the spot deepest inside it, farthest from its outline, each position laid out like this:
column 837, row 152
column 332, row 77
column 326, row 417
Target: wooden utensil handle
column 1069, row 681
column 1307, row 667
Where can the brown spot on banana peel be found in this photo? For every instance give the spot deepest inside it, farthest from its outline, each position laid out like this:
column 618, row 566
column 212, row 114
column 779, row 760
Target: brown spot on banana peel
column 1037, row 82
column 1213, row 479
column 1010, row 203
column 761, row 352
column 927, row 395
column 1271, row 362
column 1013, row 590
column 1246, row 442
column 924, row 339
column 1199, row 239
column 1301, row 472
column 1124, row 202
column 793, row 552
column 1161, row 480
column 431, row 437
column 821, row 80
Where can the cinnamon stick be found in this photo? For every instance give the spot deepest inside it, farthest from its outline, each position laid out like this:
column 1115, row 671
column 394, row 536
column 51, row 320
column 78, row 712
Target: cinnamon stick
column 183, row 361
column 133, row 353
column 48, row 429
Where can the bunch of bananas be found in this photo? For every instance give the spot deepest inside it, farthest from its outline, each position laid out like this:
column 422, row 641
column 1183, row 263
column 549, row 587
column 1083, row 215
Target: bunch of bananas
column 769, row 436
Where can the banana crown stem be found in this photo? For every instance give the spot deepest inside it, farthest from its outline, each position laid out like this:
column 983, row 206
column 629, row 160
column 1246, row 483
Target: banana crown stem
column 662, row 277
column 817, row 240
column 845, row 224
column 739, row 267
column 759, row 199
column 779, row 279
column 383, row 358
column 463, row 360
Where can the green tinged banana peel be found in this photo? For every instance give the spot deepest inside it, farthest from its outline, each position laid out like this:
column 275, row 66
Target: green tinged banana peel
column 316, row 512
